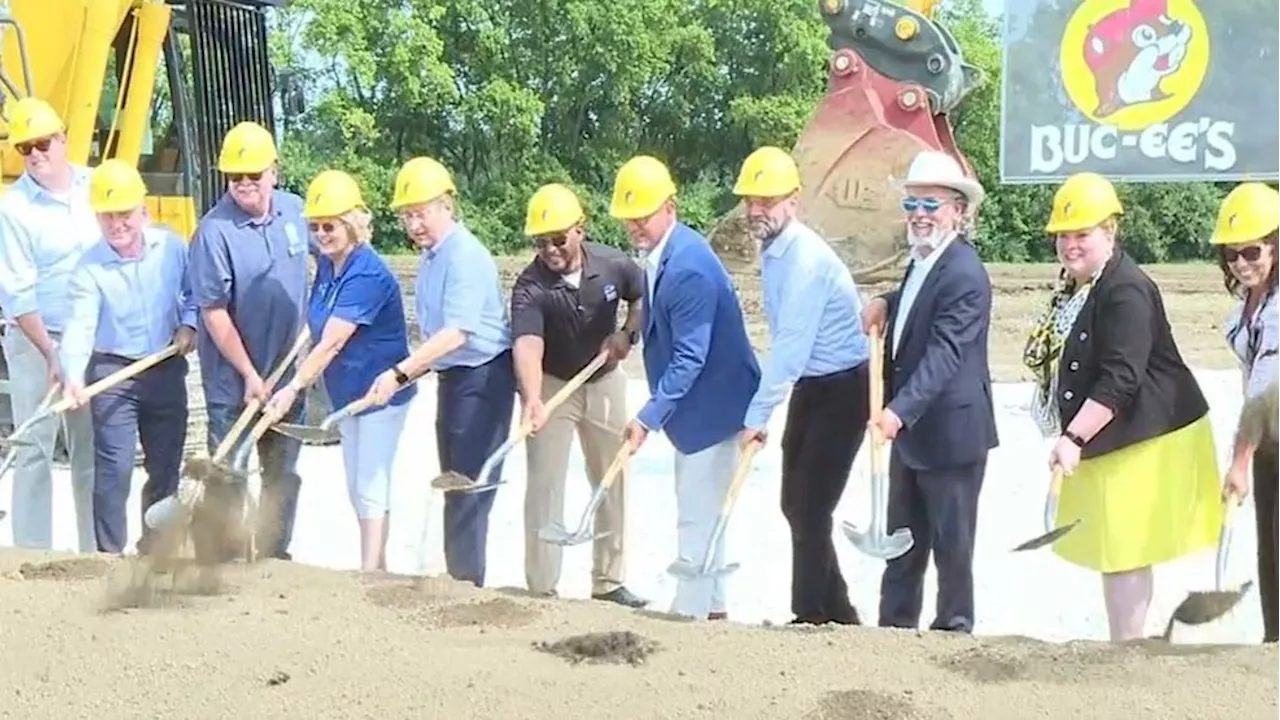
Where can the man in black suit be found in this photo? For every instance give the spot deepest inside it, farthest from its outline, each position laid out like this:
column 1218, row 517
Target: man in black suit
column 938, row 409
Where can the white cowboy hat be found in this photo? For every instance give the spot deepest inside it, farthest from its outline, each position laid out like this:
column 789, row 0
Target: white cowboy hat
column 931, row 167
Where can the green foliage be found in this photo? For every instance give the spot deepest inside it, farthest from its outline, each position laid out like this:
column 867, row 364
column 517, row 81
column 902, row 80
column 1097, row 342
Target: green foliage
column 511, row 94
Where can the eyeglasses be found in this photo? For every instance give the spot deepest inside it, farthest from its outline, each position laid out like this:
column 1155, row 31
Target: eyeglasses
column 24, row 149
column 559, row 241
column 241, row 177
column 930, row 205
column 1250, row 253
column 325, row 227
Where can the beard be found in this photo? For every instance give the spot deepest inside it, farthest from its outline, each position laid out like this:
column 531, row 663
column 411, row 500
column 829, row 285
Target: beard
column 764, row 229
column 928, row 240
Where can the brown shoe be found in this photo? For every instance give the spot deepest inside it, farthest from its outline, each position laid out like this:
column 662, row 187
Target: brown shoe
column 718, row 615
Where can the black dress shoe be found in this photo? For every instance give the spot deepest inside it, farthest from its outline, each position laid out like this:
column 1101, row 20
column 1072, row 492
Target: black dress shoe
column 622, row 596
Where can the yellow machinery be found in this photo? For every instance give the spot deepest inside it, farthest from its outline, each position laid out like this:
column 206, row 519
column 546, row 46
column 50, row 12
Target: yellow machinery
column 153, row 82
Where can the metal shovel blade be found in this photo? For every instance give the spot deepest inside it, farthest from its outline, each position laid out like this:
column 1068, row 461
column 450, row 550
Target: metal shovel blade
column 1048, row 538
column 686, row 570
column 306, row 434
column 452, row 481
column 164, row 513
column 14, row 441
column 1209, row 605
column 558, row 534
column 880, row 545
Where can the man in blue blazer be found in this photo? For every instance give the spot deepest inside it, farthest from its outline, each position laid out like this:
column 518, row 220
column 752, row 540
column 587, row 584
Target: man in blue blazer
column 701, row 368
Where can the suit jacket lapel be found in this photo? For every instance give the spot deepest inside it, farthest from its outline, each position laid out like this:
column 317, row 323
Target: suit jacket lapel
column 924, row 294
column 657, row 278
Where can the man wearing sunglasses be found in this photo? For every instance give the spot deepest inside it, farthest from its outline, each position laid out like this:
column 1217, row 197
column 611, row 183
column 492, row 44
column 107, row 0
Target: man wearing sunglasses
column 939, row 413
column 248, row 270
column 818, row 351
column 46, row 225
column 564, row 312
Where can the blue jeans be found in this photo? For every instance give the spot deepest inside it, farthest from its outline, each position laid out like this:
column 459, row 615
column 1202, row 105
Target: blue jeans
column 280, row 481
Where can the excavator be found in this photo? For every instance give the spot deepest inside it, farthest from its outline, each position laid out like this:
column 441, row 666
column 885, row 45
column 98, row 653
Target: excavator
column 893, row 76
column 156, row 83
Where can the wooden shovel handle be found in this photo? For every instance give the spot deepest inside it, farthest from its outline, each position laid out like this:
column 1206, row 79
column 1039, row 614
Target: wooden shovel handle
column 740, row 474
column 252, row 408
column 569, row 388
column 119, row 376
column 620, row 461
column 1055, row 484
column 875, row 377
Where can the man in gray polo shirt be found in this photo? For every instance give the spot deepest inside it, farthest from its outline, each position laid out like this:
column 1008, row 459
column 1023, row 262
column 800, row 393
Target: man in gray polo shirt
column 248, row 272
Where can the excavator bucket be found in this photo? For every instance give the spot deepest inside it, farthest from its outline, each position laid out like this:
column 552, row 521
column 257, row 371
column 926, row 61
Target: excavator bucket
column 893, row 76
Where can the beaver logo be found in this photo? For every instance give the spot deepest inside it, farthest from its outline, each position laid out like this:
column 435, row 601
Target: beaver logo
column 1134, row 63
column 1131, row 50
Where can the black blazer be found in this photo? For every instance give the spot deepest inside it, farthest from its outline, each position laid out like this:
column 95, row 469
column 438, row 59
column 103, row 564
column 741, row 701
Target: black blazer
column 939, row 383
column 1121, row 354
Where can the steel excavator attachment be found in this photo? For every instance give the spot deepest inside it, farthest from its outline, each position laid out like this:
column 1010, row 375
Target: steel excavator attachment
column 893, row 76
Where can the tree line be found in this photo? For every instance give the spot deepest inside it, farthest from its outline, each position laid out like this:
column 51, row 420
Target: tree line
column 511, row 94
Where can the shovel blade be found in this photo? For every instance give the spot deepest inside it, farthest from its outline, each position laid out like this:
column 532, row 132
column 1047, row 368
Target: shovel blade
column 557, row 534
column 306, row 434
column 164, row 513
column 884, row 547
column 1209, row 605
column 457, row 482
column 14, row 441
column 1048, row 538
column 685, row 570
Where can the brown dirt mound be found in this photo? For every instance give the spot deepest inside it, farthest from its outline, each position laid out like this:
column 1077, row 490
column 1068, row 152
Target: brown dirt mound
column 606, row 647
column 70, row 570
column 492, row 613
column 870, row 705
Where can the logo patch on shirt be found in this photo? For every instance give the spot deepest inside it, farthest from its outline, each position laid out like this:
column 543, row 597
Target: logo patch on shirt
column 610, row 293
column 296, row 243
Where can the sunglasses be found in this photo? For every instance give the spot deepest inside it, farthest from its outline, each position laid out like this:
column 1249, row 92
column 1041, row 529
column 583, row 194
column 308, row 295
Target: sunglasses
column 929, row 204
column 240, row 177
column 26, row 148
column 1250, row 254
column 558, row 241
column 325, row 227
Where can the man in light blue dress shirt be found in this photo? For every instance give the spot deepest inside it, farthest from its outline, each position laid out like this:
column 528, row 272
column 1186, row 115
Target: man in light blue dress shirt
column 129, row 297
column 818, row 351
column 466, row 339
column 45, row 225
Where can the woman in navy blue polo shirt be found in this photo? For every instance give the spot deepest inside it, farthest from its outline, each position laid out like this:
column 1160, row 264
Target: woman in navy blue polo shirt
column 357, row 315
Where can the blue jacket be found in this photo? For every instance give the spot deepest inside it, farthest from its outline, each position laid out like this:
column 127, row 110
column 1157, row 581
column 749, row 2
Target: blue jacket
column 701, row 368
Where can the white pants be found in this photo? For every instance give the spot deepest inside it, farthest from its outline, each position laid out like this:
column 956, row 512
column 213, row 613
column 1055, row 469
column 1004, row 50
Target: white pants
column 702, row 479
column 33, row 469
column 368, row 454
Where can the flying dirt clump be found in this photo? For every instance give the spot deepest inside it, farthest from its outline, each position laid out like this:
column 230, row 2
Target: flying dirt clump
column 599, row 648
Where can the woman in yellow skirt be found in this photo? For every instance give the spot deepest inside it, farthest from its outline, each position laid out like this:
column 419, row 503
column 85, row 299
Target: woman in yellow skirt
column 1132, row 426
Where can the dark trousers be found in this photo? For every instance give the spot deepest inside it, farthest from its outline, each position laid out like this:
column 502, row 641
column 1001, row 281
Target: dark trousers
column 473, row 418
column 826, row 422
column 151, row 406
column 1265, row 472
column 278, row 456
column 941, row 508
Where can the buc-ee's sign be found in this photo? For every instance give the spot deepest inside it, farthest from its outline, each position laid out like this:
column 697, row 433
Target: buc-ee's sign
column 1140, row 90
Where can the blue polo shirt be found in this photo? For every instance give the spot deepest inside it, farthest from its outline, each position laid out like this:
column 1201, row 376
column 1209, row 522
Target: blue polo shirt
column 256, row 268
column 367, row 294
column 459, row 287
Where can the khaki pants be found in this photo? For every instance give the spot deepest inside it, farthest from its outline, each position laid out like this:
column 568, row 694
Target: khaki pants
column 598, row 412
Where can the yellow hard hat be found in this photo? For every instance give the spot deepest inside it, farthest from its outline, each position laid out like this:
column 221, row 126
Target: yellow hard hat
column 553, row 208
column 332, row 193
column 421, row 180
column 247, row 148
column 115, row 186
column 1084, row 201
column 1251, row 211
column 642, row 185
column 768, row 172
column 31, row 119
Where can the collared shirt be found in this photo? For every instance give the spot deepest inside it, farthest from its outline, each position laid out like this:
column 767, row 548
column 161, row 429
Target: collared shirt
column 130, row 307
column 366, row 294
column 653, row 257
column 917, row 271
column 42, row 236
column 1256, row 343
column 459, row 287
column 575, row 319
column 814, row 314
column 256, row 268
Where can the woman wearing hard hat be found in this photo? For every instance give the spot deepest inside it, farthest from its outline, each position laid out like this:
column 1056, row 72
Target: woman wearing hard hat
column 356, row 312
column 1132, row 429
column 129, row 298
column 1245, row 237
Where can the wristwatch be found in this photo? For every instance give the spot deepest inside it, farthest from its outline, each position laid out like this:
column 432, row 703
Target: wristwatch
column 400, row 376
column 1074, row 438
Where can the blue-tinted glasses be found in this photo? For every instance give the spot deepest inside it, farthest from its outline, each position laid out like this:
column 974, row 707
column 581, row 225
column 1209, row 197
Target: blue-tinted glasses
column 929, row 204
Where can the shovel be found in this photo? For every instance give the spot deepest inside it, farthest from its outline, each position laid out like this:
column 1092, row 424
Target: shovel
column 452, row 481
column 685, row 570
column 326, row 432
column 1208, row 605
column 556, row 534
column 18, row 440
column 191, row 486
column 1051, row 534
column 875, row 541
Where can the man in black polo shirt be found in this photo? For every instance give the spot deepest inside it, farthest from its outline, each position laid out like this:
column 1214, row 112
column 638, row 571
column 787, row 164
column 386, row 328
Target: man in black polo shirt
column 564, row 310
